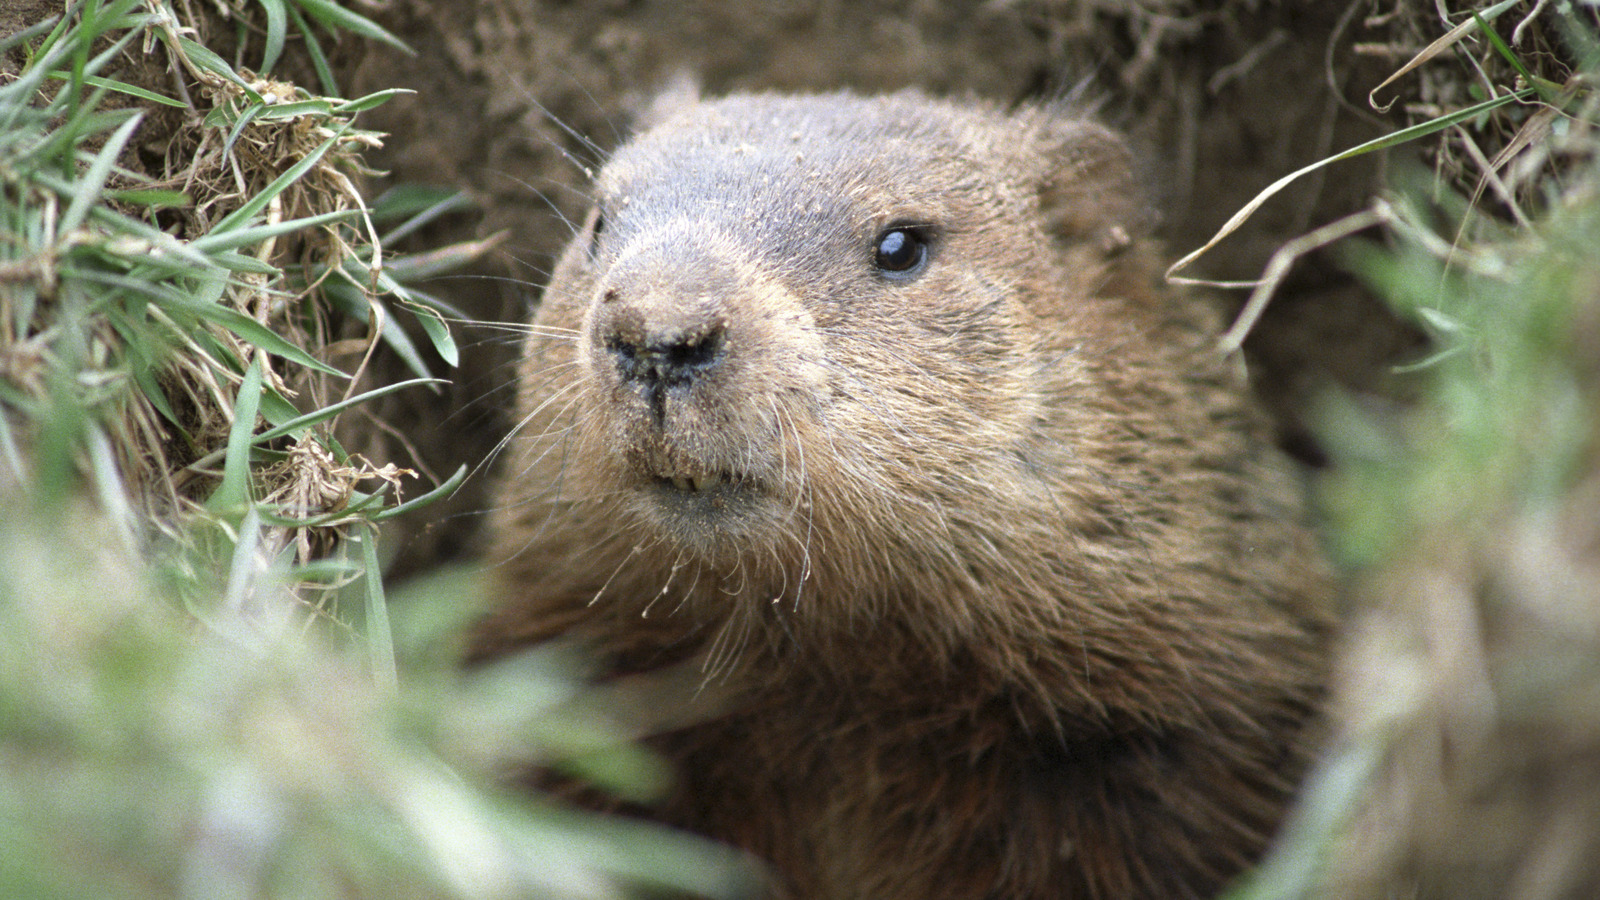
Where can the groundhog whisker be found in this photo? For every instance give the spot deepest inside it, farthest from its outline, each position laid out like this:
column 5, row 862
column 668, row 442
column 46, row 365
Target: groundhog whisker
column 572, row 227
column 550, row 493
column 666, row 585
column 485, row 276
column 637, row 550
column 522, row 423
column 563, row 393
column 524, row 263
column 520, row 330
column 803, row 498
column 583, row 140
column 690, row 590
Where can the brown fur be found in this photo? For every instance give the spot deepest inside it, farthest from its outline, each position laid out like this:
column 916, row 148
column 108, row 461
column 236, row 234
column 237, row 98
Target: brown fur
column 1003, row 592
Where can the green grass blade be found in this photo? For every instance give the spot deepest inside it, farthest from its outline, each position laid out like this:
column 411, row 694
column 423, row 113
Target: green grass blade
column 243, row 573
column 106, row 56
column 1388, row 140
column 319, row 60
column 239, row 262
column 219, row 239
column 455, row 201
column 175, row 254
column 350, row 297
column 1429, row 127
column 109, row 490
column 201, row 303
column 411, row 268
column 144, row 376
column 216, row 65
column 121, row 14
column 290, row 176
column 51, row 52
column 277, row 29
column 122, row 87
column 438, row 332
column 300, row 423
column 31, row 32
column 87, row 191
column 406, row 200
column 1443, row 43
column 239, row 125
column 449, row 484
column 338, row 18
column 81, row 121
column 154, row 198
column 1504, row 51
column 275, row 408
column 380, row 636
column 361, row 104
column 259, row 335
column 296, row 108
column 234, row 491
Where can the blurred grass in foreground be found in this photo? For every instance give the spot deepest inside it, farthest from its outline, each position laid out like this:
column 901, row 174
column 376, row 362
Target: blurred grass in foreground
column 204, row 690
column 1465, row 753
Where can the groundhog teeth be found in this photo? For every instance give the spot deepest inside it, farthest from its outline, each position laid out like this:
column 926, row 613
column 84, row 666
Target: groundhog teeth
column 692, row 484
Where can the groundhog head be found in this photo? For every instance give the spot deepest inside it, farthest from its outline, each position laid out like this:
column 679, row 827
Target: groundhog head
column 796, row 329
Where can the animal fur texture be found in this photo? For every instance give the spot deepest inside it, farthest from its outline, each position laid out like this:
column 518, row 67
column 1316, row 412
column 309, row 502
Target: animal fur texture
column 991, row 579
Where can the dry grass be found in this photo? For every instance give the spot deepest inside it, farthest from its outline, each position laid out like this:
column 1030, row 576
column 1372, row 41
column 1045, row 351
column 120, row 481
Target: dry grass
column 1466, row 760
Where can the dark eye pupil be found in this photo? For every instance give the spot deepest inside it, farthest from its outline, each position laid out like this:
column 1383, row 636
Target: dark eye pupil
column 899, row 249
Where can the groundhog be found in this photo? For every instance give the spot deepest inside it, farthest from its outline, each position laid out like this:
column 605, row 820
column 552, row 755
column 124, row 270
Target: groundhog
column 875, row 413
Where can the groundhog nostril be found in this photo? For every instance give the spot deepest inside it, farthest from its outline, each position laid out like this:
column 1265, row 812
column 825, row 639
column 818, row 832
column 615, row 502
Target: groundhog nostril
column 670, row 360
column 697, row 353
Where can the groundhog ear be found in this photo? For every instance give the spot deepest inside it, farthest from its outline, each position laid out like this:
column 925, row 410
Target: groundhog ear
column 1088, row 193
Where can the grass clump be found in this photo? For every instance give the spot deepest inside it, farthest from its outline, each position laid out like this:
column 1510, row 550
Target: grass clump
column 204, row 689
column 148, row 755
column 1467, row 703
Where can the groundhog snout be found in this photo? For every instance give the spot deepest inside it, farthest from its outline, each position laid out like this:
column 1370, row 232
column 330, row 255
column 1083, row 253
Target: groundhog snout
column 661, row 324
column 656, row 357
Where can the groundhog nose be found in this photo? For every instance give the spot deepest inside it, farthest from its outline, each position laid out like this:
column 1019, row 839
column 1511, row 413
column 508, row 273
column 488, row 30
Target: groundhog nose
column 663, row 354
column 662, row 314
column 659, row 336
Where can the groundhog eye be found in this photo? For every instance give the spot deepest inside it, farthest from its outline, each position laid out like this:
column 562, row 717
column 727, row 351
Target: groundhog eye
column 597, row 225
column 901, row 250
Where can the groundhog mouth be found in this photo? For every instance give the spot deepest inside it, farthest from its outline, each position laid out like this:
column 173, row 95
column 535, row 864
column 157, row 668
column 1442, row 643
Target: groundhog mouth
column 694, row 484
column 705, row 503
column 688, row 487
column 709, row 491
